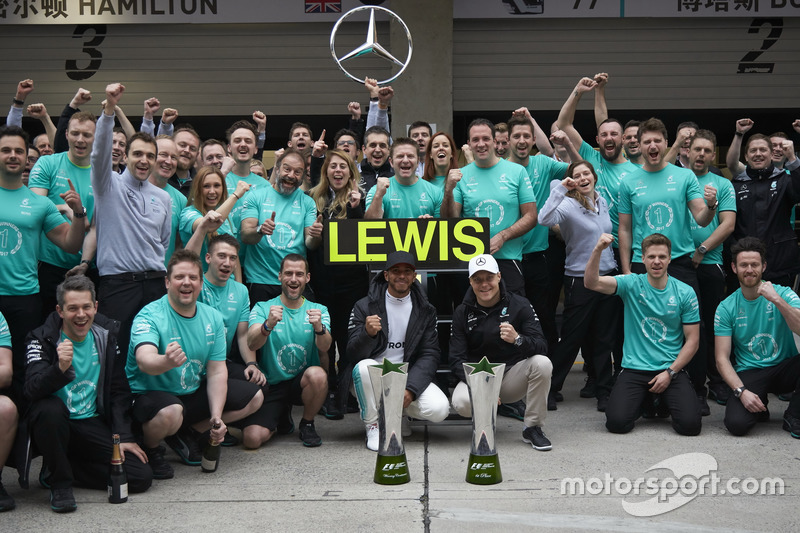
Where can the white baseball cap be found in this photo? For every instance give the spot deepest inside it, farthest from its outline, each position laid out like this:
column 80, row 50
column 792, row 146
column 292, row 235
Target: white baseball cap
column 483, row 262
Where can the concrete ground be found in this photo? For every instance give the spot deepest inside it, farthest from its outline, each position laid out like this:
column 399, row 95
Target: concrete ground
column 286, row 487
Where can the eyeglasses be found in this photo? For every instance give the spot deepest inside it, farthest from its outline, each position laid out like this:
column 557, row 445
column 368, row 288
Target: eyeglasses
column 32, row 159
column 346, row 143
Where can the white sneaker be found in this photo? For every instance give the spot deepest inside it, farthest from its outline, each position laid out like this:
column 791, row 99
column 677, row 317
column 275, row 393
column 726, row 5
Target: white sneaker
column 373, row 436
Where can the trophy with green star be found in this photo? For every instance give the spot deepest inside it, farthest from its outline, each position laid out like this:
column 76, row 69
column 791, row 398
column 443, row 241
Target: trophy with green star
column 484, row 380
column 389, row 387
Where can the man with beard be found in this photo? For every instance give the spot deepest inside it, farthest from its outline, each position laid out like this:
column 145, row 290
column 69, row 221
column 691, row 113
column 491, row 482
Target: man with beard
column 765, row 197
column 609, row 162
column 50, row 177
column 743, row 125
column 662, row 198
column 707, row 257
column 679, row 152
column 405, row 195
column 188, row 142
column 297, row 336
column 133, row 222
column 28, row 217
column 500, row 190
column 758, row 322
column 277, row 221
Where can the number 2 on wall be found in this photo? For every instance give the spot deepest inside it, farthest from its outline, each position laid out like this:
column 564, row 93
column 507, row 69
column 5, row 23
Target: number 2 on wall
column 748, row 65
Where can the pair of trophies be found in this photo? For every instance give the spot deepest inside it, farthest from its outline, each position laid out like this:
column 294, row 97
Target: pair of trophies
column 389, row 385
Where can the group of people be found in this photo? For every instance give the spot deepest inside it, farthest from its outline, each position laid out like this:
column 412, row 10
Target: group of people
column 165, row 289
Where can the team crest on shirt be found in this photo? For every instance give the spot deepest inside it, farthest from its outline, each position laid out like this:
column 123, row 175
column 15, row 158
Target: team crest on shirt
column 291, row 358
column 78, row 394
column 492, row 209
column 654, row 329
column 659, row 216
column 282, row 237
column 763, row 347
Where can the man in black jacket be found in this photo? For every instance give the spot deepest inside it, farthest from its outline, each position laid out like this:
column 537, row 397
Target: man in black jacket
column 75, row 379
column 395, row 321
column 502, row 326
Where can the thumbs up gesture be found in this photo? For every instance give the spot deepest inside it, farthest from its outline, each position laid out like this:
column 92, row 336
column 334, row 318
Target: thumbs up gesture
column 315, row 230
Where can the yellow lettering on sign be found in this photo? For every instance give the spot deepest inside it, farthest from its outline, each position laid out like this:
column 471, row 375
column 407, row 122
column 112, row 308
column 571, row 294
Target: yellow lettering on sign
column 467, row 240
column 443, row 240
column 365, row 240
column 333, row 238
column 412, row 237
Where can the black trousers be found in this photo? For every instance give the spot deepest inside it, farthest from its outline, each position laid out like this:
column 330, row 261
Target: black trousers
column 511, row 272
column 538, row 284
column 630, row 391
column 121, row 299
column 781, row 378
column 79, row 451
column 682, row 269
column 590, row 321
column 711, row 279
column 23, row 314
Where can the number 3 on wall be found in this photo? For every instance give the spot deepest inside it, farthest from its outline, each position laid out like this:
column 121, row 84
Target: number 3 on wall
column 90, row 44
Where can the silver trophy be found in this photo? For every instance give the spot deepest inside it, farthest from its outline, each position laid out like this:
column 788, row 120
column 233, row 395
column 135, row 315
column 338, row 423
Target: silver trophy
column 389, row 387
column 484, row 380
column 371, row 46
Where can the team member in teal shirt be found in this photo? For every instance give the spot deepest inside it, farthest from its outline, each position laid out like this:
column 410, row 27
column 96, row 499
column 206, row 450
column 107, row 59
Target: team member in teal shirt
column 8, row 410
column 500, row 190
column 79, row 397
column 404, row 195
column 277, row 221
column 242, row 147
column 707, row 257
column 25, row 218
column 758, row 321
column 293, row 337
column 50, row 177
column 166, row 164
column 661, row 337
column 176, row 368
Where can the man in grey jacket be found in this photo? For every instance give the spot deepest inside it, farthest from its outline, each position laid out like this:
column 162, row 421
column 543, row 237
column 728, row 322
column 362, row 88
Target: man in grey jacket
column 133, row 219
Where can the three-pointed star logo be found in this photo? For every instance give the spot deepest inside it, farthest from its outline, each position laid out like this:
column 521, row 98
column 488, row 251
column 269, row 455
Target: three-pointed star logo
column 389, row 367
column 483, row 366
column 371, row 45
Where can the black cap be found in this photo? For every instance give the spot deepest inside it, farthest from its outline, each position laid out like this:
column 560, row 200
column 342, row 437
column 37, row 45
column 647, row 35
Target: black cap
column 400, row 257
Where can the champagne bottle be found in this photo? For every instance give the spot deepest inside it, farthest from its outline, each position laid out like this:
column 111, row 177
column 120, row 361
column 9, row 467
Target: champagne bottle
column 117, row 478
column 210, row 458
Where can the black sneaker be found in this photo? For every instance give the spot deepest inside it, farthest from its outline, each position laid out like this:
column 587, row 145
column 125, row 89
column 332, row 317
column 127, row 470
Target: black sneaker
column 705, row 410
column 285, row 423
column 786, row 396
column 308, row 434
column 512, row 410
column 602, row 403
column 158, row 464
column 62, row 500
column 551, row 402
column 791, row 424
column 329, row 409
column 186, row 443
column 559, row 396
column 590, row 389
column 719, row 392
column 6, row 501
column 536, row 438
column 229, row 440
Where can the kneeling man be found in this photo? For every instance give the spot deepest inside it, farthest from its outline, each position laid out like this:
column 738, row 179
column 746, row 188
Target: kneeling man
column 662, row 333
column 757, row 321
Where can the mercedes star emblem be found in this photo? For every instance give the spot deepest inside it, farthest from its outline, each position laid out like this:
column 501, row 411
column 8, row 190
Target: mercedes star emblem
column 371, row 45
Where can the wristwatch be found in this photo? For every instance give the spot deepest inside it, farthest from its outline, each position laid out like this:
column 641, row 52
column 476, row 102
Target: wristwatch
column 671, row 373
column 702, row 249
column 738, row 391
column 322, row 332
column 80, row 214
column 518, row 340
